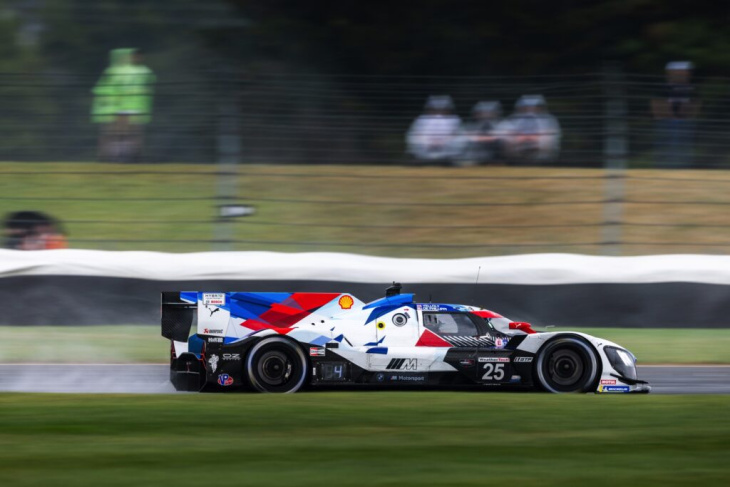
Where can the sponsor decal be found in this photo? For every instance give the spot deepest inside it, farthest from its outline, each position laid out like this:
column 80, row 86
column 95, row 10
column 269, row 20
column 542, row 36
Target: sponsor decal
column 615, row 389
column 231, row 356
column 380, row 377
column 523, row 359
column 500, row 342
column 466, row 362
column 214, row 310
column 316, row 352
column 608, row 382
column 493, row 359
column 403, row 364
column 215, row 340
column 407, row 378
column 213, row 362
column 428, row 307
column 346, row 302
column 212, row 330
column 216, row 299
column 225, row 380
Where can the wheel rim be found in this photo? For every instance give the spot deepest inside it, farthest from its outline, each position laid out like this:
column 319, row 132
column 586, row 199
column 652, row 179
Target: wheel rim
column 565, row 367
column 275, row 368
column 276, row 365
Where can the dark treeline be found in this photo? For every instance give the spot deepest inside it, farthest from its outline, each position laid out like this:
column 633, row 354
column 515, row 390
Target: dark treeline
column 193, row 47
column 426, row 37
column 482, row 37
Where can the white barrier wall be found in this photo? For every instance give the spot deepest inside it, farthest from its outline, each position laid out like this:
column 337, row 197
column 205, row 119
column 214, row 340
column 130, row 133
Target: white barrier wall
column 73, row 287
column 529, row 269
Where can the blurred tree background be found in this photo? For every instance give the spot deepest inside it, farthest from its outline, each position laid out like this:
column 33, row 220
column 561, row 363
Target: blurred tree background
column 390, row 38
column 480, row 38
column 52, row 52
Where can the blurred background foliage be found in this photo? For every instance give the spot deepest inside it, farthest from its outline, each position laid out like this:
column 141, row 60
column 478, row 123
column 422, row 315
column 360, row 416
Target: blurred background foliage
column 186, row 37
column 209, row 54
column 478, row 38
column 432, row 37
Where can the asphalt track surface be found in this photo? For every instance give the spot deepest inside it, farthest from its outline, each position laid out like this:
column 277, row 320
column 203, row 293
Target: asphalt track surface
column 154, row 378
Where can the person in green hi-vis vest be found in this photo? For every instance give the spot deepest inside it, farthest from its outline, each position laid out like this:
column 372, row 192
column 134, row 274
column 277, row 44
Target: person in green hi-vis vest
column 122, row 106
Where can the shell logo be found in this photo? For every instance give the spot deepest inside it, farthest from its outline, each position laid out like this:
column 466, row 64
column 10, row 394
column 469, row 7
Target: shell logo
column 346, row 302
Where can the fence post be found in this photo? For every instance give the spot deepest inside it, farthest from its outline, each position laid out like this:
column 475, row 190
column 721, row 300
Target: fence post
column 228, row 149
column 615, row 148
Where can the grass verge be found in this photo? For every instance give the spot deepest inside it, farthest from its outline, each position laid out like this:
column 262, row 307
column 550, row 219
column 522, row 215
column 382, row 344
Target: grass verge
column 141, row 343
column 351, row 439
column 670, row 345
column 373, row 210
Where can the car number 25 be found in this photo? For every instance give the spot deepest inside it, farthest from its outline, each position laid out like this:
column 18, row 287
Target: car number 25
column 493, row 372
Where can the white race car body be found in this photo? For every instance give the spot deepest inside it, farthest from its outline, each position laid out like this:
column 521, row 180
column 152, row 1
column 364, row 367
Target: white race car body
column 279, row 342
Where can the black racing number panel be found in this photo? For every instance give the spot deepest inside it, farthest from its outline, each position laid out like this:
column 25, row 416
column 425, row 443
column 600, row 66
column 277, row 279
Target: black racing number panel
column 493, row 372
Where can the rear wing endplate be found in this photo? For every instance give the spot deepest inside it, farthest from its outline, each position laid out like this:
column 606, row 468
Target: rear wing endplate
column 178, row 317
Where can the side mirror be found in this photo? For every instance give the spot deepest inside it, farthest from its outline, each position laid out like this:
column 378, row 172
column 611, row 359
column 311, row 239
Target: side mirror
column 522, row 326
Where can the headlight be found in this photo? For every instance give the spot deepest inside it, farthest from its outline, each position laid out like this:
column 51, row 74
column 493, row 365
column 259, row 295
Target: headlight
column 622, row 360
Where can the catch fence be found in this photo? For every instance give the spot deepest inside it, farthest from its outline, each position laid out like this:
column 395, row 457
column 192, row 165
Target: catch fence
column 319, row 119
column 322, row 161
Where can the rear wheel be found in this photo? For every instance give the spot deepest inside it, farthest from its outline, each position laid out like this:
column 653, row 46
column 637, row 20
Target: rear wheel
column 276, row 365
column 567, row 365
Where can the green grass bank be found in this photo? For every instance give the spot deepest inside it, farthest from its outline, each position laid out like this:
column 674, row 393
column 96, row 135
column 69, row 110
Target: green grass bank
column 374, row 210
column 352, row 439
column 136, row 343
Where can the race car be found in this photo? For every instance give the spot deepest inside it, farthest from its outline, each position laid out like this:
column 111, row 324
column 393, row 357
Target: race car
column 282, row 342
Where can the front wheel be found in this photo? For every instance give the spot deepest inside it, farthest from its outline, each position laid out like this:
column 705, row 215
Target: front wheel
column 567, row 365
column 276, row 365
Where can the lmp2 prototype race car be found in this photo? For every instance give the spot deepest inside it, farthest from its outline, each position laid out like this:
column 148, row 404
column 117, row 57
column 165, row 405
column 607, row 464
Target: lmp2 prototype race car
column 281, row 342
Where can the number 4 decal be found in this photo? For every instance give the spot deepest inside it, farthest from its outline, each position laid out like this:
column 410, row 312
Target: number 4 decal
column 493, row 372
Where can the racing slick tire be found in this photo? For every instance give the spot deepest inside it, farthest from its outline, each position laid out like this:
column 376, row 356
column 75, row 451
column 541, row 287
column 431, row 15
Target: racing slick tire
column 276, row 364
column 567, row 364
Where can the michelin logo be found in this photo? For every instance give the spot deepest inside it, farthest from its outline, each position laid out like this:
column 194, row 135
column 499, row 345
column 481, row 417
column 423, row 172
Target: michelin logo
column 615, row 389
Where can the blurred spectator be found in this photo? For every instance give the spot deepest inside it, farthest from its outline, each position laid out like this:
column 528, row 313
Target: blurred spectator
column 674, row 109
column 123, row 106
column 480, row 139
column 33, row 230
column 532, row 133
column 432, row 136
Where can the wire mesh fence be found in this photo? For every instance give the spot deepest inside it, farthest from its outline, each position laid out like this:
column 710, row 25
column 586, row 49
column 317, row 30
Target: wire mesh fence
column 324, row 162
column 347, row 119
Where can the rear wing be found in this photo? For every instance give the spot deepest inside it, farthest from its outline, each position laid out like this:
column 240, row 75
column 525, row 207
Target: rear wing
column 177, row 317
